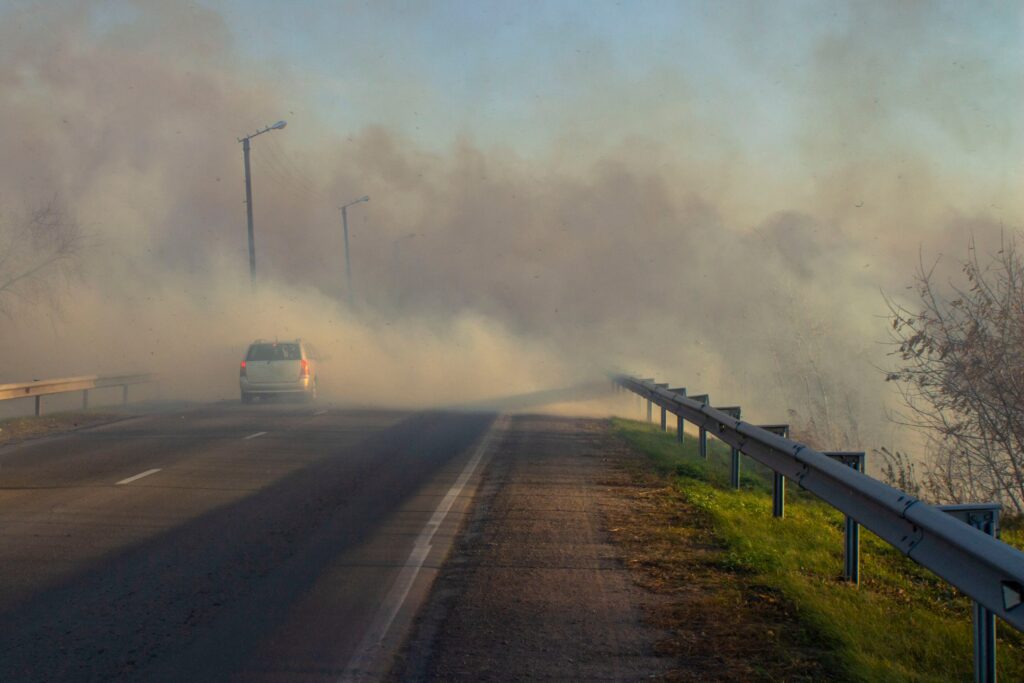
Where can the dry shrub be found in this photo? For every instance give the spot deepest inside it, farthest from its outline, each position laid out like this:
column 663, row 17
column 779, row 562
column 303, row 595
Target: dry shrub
column 960, row 371
column 37, row 256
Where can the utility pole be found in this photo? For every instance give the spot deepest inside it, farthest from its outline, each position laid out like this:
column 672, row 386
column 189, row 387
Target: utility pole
column 248, row 211
column 248, row 194
column 348, row 263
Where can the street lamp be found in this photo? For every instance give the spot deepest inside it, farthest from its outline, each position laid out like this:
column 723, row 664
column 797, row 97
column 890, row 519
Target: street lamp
column 248, row 192
column 348, row 264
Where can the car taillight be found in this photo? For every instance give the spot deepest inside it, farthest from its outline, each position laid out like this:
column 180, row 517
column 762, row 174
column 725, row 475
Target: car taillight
column 241, row 370
column 304, row 372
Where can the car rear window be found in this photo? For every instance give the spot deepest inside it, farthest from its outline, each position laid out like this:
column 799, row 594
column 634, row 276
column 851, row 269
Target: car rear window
column 274, row 352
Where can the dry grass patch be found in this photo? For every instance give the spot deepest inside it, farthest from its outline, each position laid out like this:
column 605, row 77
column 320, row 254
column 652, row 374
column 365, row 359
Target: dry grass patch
column 17, row 429
column 725, row 626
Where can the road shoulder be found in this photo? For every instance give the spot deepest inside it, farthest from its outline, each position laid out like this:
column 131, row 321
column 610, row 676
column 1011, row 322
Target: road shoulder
column 536, row 588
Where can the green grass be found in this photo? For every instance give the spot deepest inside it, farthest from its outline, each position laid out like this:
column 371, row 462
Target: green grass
column 902, row 623
column 1013, row 532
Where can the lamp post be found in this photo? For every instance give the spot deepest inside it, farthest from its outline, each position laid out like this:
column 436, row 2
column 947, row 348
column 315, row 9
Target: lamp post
column 248, row 192
column 348, row 264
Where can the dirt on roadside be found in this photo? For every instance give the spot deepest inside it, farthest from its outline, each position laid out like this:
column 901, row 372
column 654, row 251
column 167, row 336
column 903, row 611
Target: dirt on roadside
column 724, row 626
column 17, row 429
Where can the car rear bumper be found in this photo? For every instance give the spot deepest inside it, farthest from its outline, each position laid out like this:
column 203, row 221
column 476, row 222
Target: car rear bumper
column 297, row 386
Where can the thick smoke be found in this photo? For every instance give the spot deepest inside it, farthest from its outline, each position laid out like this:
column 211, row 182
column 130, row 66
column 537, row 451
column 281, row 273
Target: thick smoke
column 479, row 271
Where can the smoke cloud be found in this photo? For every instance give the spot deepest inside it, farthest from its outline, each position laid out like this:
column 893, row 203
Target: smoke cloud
column 660, row 246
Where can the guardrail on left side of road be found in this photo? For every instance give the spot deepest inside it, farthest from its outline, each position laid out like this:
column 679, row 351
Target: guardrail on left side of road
column 40, row 388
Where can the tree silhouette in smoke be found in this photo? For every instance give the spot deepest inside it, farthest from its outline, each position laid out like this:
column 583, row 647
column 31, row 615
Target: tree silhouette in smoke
column 960, row 370
column 38, row 252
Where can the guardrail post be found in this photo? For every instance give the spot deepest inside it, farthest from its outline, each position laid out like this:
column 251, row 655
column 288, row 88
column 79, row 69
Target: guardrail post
column 734, row 472
column 85, row 399
column 702, row 434
column 778, row 495
column 662, row 386
column 39, row 406
column 680, row 422
column 664, row 420
column 851, row 555
column 985, row 518
column 734, row 453
column 649, row 408
column 778, row 481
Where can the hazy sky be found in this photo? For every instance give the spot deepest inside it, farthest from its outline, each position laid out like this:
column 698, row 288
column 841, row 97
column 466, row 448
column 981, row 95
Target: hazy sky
column 943, row 76
column 801, row 92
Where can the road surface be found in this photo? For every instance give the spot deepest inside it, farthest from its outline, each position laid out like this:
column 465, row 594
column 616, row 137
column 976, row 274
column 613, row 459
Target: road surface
column 271, row 542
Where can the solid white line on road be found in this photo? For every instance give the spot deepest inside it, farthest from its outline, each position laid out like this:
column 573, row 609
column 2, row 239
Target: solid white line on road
column 138, row 476
column 253, row 436
column 321, row 412
column 371, row 646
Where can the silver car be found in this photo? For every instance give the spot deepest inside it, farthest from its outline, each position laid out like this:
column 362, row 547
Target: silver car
column 278, row 368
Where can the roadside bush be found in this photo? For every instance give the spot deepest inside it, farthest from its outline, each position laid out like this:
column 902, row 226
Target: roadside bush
column 960, row 369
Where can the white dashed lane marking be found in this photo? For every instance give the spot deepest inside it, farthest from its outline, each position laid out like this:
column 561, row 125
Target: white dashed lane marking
column 253, row 436
column 137, row 477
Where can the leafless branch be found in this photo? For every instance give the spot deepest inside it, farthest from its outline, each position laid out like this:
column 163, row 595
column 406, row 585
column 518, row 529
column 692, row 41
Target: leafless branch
column 960, row 371
column 38, row 254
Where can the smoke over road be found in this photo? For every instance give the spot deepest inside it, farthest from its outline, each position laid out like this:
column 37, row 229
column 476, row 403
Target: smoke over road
column 641, row 231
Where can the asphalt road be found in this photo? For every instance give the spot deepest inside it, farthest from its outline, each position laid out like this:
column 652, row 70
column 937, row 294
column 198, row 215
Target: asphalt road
column 267, row 542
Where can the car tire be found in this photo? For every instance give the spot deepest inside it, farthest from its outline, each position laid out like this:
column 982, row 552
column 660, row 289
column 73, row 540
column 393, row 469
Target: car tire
column 246, row 397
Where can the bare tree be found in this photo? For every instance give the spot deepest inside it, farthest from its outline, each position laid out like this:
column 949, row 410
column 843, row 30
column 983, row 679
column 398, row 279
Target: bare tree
column 38, row 252
column 960, row 371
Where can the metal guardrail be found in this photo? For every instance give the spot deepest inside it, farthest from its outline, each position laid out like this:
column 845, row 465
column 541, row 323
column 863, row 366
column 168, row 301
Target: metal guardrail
column 986, row 569
column 64, row 385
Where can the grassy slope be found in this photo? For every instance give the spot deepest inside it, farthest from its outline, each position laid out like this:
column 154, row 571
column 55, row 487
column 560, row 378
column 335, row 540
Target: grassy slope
column 801, row 555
